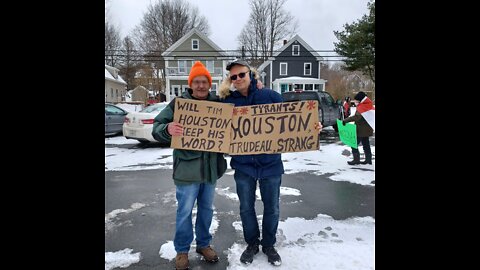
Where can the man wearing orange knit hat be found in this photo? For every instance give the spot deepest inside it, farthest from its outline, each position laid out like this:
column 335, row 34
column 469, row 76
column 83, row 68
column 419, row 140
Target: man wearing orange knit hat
column 195, row 174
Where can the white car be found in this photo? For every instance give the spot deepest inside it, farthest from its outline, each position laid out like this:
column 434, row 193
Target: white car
column 138, row 125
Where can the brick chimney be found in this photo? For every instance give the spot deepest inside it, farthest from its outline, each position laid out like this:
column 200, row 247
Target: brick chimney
column 284, row 41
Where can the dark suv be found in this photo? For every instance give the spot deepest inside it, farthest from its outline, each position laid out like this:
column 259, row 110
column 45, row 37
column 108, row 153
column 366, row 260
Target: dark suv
column 329, row 111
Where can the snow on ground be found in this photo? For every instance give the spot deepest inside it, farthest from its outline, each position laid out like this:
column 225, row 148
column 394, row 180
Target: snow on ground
column 111, row 217
column 225, row 192
column 322, row 243
column 119, row 140
column 122, row 258
column 330, row 159
column 123, row 159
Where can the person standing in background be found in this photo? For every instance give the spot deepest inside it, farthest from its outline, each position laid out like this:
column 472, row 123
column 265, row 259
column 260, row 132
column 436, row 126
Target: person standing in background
column 364, row 119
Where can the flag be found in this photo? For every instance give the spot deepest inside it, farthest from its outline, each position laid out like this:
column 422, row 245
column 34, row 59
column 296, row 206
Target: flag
column 366, row 109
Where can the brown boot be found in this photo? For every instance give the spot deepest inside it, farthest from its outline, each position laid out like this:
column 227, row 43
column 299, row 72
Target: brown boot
column 208, row 253
column 181, row 261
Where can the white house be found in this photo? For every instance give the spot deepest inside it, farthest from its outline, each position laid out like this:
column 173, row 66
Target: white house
column 115, row 86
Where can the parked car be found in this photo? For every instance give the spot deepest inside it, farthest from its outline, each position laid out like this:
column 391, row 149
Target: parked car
column 138, row 125
column 329, row 110
column 114, row 118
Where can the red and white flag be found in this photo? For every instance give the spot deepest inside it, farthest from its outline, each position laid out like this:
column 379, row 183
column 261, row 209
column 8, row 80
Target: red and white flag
column 366, row 109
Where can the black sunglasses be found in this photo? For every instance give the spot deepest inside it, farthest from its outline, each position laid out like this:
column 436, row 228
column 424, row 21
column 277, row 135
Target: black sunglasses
column 241, row 75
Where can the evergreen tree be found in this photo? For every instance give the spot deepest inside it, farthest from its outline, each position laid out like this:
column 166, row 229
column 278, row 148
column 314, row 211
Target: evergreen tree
column 357, row 44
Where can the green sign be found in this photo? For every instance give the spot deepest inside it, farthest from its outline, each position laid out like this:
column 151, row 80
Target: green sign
column 348, row 133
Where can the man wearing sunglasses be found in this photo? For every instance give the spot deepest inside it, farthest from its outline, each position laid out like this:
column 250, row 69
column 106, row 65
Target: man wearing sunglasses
column 267, row 169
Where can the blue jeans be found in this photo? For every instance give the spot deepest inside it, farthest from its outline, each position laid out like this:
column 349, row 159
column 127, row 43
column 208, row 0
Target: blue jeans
column 270, row 191
column 186, row 195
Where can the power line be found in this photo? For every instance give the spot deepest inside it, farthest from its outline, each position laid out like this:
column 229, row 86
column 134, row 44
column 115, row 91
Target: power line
column 153, row 55
column 237, row 50
column 206, row 59
column 200, row 58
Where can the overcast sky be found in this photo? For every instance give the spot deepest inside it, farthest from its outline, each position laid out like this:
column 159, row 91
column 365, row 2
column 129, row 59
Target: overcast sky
column 317, row 18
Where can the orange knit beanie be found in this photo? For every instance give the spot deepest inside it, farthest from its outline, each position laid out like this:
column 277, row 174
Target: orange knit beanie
column 199, row 69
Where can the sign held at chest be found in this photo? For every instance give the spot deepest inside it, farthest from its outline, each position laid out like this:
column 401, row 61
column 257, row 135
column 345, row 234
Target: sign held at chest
column 256, row 129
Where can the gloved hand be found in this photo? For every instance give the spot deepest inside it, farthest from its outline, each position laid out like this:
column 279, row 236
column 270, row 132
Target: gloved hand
column 343, row 122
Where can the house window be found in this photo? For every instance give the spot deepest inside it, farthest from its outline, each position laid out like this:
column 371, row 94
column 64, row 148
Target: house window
column 213, row 89
column 296, row 50
column 319, row 87
column 111, row 92
column 307, row 68
column 283, row 87
column 309, row 86
column 176, row 90
column 182, row 66
column 283, row 68
column 195, row 45
column 116, row 93
column 211, row 66
column 298, row 87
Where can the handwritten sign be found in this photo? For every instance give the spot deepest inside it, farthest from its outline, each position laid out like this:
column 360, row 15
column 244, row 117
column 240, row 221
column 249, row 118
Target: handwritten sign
column 206, row 125
column 347, row 133
column 274, row 128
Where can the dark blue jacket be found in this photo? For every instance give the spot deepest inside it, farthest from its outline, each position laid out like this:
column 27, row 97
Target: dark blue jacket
column 259, row 165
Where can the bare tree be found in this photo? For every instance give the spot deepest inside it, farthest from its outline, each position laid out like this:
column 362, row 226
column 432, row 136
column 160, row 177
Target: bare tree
column 267, row 26
column 249, row 47
column 282, row 23
column 336, row 84
column 112, row 44
column 342, row 83
column 167, row 21
column 252, row 38
column 129, row 61
column 162, row 25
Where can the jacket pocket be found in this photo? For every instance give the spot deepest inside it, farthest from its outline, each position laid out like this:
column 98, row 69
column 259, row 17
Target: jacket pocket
column 188, row 166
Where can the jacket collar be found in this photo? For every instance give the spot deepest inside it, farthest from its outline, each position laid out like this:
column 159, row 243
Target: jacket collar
column 189, row 91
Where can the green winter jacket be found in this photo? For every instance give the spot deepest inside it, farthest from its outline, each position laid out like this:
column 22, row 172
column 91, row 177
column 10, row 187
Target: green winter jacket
column 189, row 166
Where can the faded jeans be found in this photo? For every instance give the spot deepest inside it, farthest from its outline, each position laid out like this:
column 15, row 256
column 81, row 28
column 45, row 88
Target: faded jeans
column 186, row 195
column 270, row 192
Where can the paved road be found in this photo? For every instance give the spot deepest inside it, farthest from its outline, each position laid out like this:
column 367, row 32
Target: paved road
column 146, row 229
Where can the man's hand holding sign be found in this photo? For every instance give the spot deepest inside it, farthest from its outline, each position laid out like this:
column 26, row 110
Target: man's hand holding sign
column 264, row 128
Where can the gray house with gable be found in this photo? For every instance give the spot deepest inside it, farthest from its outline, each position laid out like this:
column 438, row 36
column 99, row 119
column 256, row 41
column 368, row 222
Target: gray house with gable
column 180, row 57
column 296, row 66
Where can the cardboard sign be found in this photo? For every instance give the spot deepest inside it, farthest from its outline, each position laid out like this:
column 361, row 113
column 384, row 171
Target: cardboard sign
column 347, row 133
column 206, row 125
column 274, row 128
